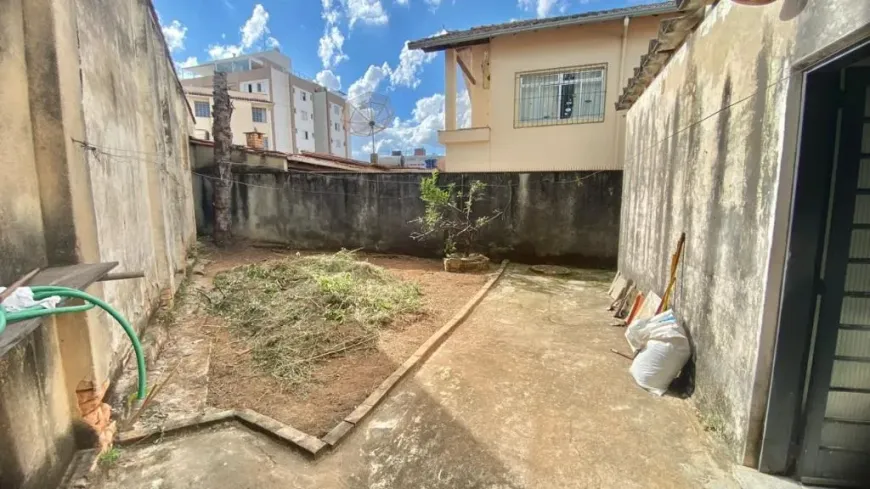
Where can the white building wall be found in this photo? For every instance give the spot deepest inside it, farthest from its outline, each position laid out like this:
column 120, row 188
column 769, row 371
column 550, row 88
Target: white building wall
column 321, row 123
column 255, row 86
column 337, row 130
column 303, row 106
column 283, row 138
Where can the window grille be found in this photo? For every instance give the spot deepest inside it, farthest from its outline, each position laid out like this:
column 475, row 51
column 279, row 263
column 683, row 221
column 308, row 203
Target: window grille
column 560, row 96
column 258, row 114
column 202, row 109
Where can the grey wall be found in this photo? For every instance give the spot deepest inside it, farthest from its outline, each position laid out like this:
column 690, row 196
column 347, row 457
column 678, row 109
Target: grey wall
column 710, row 153
column 570, row 217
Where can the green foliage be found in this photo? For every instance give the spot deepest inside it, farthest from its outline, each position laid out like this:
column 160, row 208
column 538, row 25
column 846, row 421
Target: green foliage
column 449, row 213
column 110, row 456
column 296, row 312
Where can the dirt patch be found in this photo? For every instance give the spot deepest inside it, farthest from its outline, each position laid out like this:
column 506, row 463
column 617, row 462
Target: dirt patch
column 339, row 384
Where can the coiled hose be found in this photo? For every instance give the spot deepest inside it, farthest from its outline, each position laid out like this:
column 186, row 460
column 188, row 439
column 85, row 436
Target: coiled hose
column 43, row 292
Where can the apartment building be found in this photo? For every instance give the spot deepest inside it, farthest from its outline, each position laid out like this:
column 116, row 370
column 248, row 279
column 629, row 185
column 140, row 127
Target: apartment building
column 300, row 115
column 318, row 115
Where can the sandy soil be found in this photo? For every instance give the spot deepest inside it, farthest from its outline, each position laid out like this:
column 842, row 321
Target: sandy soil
column 342, row 382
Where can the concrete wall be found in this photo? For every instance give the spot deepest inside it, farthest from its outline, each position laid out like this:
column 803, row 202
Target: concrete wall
column 558, row 217
column 724, row 177
column 562, row 147
column 20, row 210
column 93, row 71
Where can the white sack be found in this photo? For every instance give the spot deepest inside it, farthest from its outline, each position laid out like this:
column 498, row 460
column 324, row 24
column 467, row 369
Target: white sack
column 664, row 350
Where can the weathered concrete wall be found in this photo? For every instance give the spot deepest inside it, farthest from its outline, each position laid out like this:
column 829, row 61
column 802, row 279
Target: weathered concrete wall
column 136, row 114
column 20, row 211
column 694, row 165
column 95, row 71
column 568, row 217
column 36, row 430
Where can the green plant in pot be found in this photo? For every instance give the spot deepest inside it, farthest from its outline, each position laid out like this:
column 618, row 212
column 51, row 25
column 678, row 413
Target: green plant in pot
column 449, row 214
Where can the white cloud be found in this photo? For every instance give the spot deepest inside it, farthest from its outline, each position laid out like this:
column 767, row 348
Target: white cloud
column 411, row 62
column 421, row 129
column 330, row 16
column 403, row 3
column 218, row 51
column 369, row 12
column 329, row 80
column 253, row 30
column 434, row 3
column 369, row 82
column 255, row 27
column 542, row 7
column 330, row 49
column 190, row 61
column 181, row 65
column 174, row 34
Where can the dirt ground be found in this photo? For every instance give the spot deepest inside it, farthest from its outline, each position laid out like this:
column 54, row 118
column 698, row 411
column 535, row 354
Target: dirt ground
column 342, row 382
column 523, row 394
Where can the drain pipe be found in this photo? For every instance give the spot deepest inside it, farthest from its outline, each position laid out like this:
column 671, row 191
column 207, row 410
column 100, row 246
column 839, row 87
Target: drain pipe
column 616, row 134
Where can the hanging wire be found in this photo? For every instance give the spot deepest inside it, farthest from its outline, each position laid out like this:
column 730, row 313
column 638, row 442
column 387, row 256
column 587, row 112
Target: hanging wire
column 121, row 153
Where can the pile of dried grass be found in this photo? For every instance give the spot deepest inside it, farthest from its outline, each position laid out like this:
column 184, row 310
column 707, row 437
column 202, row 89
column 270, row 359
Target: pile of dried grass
column 296, row 312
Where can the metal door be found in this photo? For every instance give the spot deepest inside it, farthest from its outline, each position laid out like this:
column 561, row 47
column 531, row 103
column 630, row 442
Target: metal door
column 836, row 441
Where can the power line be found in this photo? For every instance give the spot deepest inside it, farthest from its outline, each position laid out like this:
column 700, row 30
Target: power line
column 634, row 157
column 338, row 174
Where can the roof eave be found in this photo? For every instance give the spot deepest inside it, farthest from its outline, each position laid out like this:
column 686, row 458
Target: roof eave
column 449, row 40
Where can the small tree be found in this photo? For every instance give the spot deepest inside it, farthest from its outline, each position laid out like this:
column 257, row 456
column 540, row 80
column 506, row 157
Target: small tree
column 449, row 213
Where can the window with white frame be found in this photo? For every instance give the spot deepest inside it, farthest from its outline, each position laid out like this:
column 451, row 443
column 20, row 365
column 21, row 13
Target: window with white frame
column 336, row 110
column 337, row 127
column 304, row 115
column 304, row 95
column 560, row 96
column 258, row 114
column 306, row 135
column 202, row 109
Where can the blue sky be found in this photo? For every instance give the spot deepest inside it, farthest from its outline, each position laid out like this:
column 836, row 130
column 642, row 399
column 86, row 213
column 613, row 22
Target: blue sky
column 354, row 45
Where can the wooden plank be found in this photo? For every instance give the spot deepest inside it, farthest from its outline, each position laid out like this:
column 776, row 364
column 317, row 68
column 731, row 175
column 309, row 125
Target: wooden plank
column 73, row 276
column 465, row 69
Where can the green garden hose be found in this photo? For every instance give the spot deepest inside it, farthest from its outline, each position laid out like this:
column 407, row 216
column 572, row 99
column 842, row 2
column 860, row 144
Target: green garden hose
column 43, row 292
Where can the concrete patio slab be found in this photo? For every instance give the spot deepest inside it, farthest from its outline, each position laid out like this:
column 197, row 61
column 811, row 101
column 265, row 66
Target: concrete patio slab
column 524, row 394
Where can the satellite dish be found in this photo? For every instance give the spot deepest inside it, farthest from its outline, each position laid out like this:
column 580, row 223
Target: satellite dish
column 370, row 114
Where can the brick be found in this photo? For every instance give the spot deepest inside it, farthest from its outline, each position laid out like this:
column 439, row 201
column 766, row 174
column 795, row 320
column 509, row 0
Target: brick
column 337, row 433
column 303, row 440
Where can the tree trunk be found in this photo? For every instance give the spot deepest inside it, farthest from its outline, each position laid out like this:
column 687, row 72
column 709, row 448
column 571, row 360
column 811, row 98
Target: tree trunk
column 223, row 139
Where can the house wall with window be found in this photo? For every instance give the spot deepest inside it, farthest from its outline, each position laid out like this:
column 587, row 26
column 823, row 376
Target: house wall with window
column 534, row 127
column 540, row 95
column 249, row 114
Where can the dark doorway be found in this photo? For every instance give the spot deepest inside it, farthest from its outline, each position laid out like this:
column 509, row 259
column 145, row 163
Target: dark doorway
column 818, row 419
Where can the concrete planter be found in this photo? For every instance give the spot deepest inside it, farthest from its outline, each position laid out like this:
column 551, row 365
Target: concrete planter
column 464, row 264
